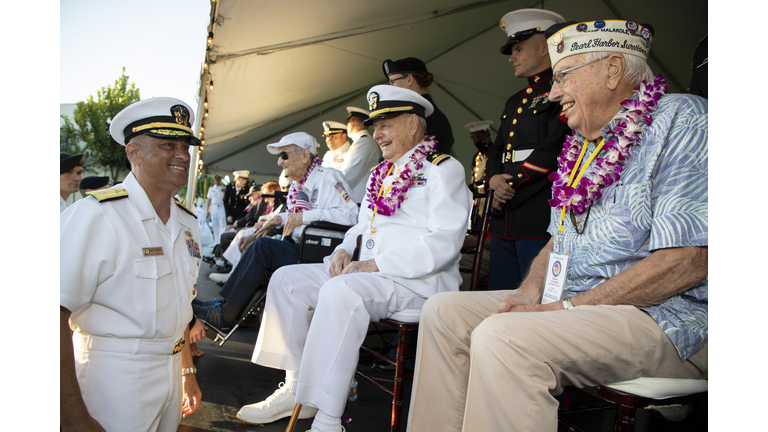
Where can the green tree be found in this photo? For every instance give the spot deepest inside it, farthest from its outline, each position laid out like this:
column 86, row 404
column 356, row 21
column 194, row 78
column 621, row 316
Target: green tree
column 92, row 118
column 71, row 142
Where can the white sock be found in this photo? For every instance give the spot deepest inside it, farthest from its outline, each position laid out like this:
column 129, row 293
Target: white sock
column 291, row 380
column 325, row 423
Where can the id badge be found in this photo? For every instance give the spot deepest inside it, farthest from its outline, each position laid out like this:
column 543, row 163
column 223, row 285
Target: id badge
column 369, row 246
column 554, row 281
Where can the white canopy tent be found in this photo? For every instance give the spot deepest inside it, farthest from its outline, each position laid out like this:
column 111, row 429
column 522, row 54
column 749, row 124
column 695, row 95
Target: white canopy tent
column 284, row 66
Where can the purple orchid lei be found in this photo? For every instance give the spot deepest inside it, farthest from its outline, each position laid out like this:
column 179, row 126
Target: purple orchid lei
column 616, row 149
column 388, row 204
column 293, row 192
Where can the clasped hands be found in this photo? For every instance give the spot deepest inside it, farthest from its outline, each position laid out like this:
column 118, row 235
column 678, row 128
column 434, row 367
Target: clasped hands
column 341, row 263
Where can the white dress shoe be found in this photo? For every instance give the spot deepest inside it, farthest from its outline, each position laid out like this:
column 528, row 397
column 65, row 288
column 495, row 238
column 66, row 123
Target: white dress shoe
column 219, row 277
column 275, row 407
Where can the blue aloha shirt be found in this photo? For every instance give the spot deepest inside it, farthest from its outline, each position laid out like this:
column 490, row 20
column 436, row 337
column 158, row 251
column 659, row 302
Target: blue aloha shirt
column 659, row 202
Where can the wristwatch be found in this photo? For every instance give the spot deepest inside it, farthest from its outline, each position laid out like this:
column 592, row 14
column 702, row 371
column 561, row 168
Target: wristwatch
column 189, row 370
column 567, row 303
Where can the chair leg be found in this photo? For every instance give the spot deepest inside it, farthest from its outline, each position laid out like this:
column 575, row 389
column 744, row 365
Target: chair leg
column 294, row 418
column 397, row 402
column 625, row 419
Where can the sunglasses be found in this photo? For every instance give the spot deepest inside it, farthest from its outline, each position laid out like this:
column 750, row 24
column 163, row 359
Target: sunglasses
column 392, row 81
column 283, row 155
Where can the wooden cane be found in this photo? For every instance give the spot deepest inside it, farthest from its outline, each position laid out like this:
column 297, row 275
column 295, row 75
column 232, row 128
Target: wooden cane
column 294, row 418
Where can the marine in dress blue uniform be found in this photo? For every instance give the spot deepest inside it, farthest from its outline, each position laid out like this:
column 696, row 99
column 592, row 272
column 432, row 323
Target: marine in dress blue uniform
column 530, row 138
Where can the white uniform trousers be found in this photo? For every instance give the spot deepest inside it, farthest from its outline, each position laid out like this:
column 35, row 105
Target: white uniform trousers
column 130, row 392
column 232, row 254
column 219, row 220
column 315, row 324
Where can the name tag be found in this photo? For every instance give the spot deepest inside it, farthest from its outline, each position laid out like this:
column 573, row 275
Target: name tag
column 152, row 251
column 369, row 246
column 554, row 281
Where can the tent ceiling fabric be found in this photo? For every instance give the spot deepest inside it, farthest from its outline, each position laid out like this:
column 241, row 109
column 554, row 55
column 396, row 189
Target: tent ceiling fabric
column 282, row 67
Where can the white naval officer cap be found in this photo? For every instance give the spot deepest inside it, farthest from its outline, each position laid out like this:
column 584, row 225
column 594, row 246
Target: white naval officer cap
column 387, row 101
column 300, row 139
column 333, row 127
column 161, row 117
column 359, row 112
column 241, row 173
column 521, row 24
column 478, row 125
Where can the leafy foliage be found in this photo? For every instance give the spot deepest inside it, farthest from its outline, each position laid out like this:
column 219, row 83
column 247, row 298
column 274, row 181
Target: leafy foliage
column 92, row 118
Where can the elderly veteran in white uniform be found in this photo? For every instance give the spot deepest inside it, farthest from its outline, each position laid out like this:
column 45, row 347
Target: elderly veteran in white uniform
column 411, row 224
column 317, row 193
column 129, row 262
column 363, row 154
column 338, row 144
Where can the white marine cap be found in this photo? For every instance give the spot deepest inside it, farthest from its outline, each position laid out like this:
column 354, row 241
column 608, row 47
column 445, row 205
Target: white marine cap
column 241, row 173
column 300, row 139
column 478, row 125
column 333, row 127
column 389, row 101
column 161, row 117
column 521, row 24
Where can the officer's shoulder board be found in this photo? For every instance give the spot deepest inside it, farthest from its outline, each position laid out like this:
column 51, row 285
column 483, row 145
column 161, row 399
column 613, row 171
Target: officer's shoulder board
column 437, row 158
column 181, row 206
column 112, row 193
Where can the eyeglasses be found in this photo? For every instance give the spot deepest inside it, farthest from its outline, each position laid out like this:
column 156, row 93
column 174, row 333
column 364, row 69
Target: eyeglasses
column 283, row 155
column 559, row 75
column 392, row 81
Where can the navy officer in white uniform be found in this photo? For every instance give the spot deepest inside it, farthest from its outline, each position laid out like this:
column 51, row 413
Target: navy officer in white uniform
column 338, row 144
column 130, row 256
column 412, row 223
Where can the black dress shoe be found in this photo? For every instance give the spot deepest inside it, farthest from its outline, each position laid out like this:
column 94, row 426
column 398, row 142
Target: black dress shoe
column 209, row 260
column 383, row 367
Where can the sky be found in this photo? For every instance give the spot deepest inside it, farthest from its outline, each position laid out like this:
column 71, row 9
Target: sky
column 161, row 44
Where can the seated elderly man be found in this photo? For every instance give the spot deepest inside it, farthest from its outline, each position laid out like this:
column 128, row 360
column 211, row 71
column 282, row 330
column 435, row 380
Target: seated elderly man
column 411, row 225
column 317, row 194
column 621, row 290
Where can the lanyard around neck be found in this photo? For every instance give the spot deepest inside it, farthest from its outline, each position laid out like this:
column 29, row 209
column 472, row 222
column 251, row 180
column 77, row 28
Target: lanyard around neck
column 573, row 183
column 381, row 191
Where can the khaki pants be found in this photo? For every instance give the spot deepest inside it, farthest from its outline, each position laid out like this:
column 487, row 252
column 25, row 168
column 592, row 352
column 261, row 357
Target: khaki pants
column 481, row 371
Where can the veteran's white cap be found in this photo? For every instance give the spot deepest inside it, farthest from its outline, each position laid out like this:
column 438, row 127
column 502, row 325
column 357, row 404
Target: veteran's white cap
column 388, row 101
column 241, row 173
column 521, row 24
column 161, row 117
column 627, row 37
column 333, row 127
column 478, row 125
column 300, row 139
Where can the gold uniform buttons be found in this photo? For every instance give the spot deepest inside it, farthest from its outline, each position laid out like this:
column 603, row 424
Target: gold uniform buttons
column 529, row 90
column 512, row 133
column 505, row 116
column 519, row 110
column 514, row 121
column 525, row 100
column 509, row 146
